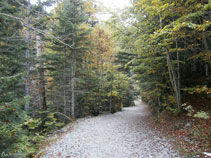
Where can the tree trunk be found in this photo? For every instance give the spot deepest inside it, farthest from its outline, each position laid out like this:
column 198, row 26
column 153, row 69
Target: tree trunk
column 101, row 80
column 73, row 69
column 160, row 17
column 178, row 79
column 110, row 102
column 98, row 90
column 42, row 100
column 27, row 56
column 42, row 93
column 206, row 69
column 207, row 50
column 65, row 102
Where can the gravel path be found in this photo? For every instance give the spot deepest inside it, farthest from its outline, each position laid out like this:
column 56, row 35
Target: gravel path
column 121, row 135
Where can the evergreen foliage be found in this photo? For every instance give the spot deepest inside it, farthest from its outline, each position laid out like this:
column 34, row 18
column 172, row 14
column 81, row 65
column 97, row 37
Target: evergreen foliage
column 54, row 67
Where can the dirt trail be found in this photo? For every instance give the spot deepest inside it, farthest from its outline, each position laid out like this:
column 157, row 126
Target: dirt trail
column 121, row 135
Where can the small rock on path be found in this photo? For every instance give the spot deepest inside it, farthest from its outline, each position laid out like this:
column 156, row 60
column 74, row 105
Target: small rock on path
column 124, row 134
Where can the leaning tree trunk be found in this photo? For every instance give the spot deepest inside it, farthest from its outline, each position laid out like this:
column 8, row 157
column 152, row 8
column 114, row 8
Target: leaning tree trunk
column 174, row 83
column 175, row 78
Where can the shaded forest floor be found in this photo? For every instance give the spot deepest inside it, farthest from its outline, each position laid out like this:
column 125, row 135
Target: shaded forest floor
column 192, row 136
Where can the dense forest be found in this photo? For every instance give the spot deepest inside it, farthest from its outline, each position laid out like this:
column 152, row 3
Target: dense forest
column 60, row 65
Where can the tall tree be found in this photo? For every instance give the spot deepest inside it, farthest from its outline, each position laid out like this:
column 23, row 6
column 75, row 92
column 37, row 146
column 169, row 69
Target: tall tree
column 68, row 27
column 27, row 56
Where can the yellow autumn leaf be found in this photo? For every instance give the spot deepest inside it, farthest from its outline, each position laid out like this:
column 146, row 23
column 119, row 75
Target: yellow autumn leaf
column 3, row 44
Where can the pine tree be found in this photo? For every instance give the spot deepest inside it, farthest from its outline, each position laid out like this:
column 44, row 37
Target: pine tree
column 12, row 48
column 68, row 26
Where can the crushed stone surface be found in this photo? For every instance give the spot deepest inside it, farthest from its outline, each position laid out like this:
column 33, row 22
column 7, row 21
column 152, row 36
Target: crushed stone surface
column 125, row 134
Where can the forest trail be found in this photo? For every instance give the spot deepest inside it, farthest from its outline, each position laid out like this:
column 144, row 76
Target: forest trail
column 125, row 134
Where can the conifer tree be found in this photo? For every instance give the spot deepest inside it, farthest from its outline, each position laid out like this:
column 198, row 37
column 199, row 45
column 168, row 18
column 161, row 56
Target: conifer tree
column 70, row 16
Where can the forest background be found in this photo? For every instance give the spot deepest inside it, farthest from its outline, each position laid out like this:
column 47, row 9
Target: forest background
column 64, row 64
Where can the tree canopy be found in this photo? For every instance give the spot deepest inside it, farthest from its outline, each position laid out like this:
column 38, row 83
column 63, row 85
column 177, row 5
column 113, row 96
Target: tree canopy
column 65, row 64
